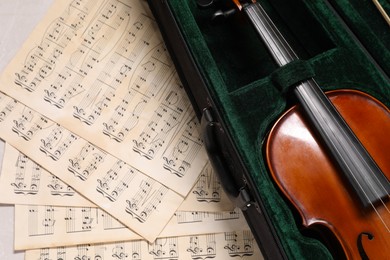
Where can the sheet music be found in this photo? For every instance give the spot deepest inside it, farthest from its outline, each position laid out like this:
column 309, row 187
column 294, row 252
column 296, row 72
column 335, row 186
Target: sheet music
column 49, row 226
column 99, row 68
column 207, row 194
column 138, row 201
column 69, row 71
column 222, row 246
column 22, row 181
column 93, row 98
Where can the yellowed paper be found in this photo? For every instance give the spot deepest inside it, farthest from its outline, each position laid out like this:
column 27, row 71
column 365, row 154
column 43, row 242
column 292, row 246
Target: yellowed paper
column 49, row 226
column 22, row 181
column 138, row 201
column 123, row 133
column 99, row 68
column 219, row 246
column 207, row 194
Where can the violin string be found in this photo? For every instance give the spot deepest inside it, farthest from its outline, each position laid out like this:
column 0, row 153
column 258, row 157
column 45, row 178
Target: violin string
column 293, row 56
column 285, row 53
column 385, row 219
column 382, row 202
column 382, row 186
column 290, row 55
column 381, row 219
column 369, row 182
column 365, row 176
column 375, row 209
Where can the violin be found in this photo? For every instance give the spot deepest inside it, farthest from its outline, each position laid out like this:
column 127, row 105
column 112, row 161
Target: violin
column 329, row 155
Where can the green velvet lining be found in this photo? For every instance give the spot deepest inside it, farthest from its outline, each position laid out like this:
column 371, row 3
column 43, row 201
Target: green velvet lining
column 367, row 23
column 291, row 74
column 249, row 89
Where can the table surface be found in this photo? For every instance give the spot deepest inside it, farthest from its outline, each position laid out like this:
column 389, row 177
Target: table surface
column 17, row 19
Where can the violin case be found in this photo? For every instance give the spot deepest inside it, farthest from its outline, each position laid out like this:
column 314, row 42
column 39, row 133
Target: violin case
column 238, row 92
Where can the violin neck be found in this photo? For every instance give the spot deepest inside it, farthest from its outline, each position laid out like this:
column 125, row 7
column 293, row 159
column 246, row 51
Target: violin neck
column 362, row 172
column 274, row 40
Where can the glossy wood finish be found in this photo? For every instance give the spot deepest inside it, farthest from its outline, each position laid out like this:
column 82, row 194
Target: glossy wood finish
column 309, row 178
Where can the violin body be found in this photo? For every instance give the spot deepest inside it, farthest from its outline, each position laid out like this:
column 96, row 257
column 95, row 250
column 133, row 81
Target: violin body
column 330, row 154
column 306, row 173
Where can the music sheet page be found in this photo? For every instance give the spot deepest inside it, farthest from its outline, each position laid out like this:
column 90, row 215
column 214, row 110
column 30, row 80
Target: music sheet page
column 120, row 189
column 50, row 226
column 93, row 98
column 101, row 70
column 23, row 181
column 78, row 221
column 104, row 159
column 220, row 246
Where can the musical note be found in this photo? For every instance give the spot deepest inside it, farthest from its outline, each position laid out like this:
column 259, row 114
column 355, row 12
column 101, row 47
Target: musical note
column 56, row 141
column 83, row 252
column 240, row 243
column 223, row 215
column 57, row 187
column 44, row 253
column 56, row 144
column 208, row 188
column 119, row 251
column 146, row 86
column 61, row 90
column 145, row 201
column 94, row 103
column 184, row 152
column 104, row 63
column 110, row 222
column 61, row 253
column 110, row 127
column 41, row 222
column 153, row 72
column 79, row 219
column 84, row 77
column 87, row 219
column 7, row 105
column 86, row 162
column 27, row 177
column 22, row 181
column 112, row 185
column 97, row 42
column 201, row 241
column 69, row 219
column 183, row 217
column 165, row 248
column 165, row 118
column 208, row 246
column 190, row 217
column 41, row 60
column 136, row 249
column 203, row 247
column 98, row 226
column 118, row 67
column 29, row 123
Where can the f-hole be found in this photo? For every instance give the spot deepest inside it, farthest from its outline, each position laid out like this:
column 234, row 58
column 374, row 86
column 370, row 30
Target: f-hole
column 362, row 253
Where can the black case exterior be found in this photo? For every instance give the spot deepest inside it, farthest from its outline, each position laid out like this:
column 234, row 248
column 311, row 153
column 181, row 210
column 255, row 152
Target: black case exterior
column 223, row 155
